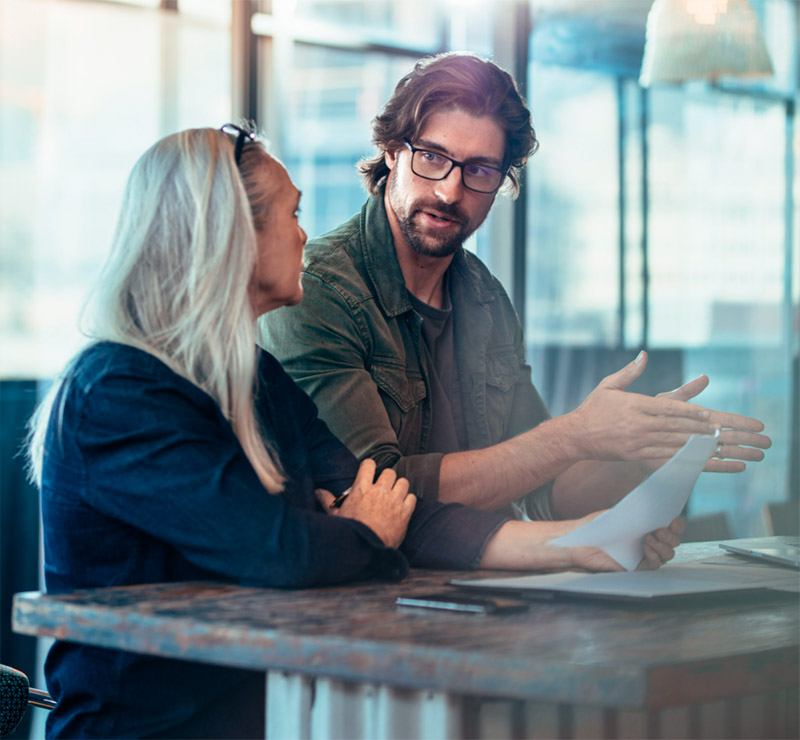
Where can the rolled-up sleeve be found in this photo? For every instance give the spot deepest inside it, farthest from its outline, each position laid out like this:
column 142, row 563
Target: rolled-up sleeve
column 449, row 536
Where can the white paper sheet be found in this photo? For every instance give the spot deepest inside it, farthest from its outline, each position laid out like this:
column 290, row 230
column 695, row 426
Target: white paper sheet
column 654, row 503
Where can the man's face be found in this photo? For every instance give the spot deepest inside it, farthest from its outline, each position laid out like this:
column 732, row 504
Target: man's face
column 435, row 217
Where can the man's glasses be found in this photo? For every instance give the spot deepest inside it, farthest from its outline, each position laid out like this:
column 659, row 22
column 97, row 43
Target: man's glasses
column 434, row 166
column 242, row 137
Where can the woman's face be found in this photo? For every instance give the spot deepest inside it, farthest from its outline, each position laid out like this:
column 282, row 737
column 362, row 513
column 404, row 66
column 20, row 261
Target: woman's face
column 275, row 280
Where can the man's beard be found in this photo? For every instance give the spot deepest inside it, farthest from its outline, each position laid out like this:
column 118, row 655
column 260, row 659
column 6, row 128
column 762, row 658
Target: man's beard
column 426, row 243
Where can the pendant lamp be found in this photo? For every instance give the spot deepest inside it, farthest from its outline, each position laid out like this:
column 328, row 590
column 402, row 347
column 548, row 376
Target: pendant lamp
column 702, row 39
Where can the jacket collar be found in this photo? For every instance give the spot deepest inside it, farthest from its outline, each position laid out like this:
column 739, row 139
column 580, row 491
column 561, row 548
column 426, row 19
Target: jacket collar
column 380, row 257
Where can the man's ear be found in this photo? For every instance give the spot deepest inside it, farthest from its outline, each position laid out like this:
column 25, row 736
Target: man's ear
column 390, row 156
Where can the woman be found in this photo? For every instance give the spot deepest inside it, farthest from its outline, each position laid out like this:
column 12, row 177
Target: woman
column 172, row 449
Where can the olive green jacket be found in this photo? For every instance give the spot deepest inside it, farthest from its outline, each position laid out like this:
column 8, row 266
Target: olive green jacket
column 353, row 344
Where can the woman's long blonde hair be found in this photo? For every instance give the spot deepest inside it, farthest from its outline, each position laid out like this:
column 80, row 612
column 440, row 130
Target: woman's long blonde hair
column 176, row 281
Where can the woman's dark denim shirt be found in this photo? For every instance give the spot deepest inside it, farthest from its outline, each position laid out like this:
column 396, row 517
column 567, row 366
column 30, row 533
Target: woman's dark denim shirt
column 144, row 481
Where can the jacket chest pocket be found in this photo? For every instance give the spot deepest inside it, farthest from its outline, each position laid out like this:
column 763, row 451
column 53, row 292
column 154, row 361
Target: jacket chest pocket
column 402, row 392
column 502, row 374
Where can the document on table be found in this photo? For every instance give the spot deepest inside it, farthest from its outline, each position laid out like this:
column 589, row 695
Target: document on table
column 654, row 503
column 710, row 576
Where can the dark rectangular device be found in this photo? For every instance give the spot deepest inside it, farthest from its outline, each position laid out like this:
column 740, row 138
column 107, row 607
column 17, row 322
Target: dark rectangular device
column 456, row 602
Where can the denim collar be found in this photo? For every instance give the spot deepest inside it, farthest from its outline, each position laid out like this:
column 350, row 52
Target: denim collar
column 380, row 257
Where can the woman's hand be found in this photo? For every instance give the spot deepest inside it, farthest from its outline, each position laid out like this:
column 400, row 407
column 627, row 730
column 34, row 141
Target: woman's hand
column 384, row 505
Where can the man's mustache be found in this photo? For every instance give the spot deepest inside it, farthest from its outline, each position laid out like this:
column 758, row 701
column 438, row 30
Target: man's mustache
column 451, row 210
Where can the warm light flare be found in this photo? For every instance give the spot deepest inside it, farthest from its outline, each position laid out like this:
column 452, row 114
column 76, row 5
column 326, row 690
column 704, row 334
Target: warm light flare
column 707, row 11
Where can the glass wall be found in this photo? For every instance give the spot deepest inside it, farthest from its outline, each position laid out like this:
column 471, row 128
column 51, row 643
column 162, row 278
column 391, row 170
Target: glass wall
column 86, row 88
column 667, row 219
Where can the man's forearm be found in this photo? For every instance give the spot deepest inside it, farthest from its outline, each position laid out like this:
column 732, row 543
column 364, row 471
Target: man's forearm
column 523, row 546
column 493, row 477
column 526, row 546
column 593, row 484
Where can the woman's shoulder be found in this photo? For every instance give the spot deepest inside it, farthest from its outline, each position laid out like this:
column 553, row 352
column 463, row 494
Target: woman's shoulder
column 276, row 381
column 101, row 360
column 110, row 380
column 276, row 384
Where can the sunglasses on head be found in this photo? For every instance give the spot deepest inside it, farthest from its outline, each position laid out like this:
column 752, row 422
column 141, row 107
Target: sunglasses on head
column 242, row 137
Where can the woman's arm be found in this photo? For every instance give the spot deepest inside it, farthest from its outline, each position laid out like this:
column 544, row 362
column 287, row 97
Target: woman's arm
column 158, row 456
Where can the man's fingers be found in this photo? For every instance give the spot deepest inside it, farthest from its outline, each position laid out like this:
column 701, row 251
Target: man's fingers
column 724, row 466
column 398, row 487
column 734, row 452
column 667, row 536
column 661, row 406
column 687, row 390
column 676, row 425
column 656, row 550
column 736, row 421
column 624, row 377
column 734, row 437
column 677, row 525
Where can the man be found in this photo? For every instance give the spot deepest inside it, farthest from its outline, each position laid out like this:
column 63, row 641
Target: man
column 412, row 350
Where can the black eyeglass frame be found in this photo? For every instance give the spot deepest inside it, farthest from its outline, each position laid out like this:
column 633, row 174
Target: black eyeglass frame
column 241, row 139
column 455, row 163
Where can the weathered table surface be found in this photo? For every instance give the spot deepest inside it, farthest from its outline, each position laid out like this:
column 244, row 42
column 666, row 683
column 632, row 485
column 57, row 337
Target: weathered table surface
column 590, row 653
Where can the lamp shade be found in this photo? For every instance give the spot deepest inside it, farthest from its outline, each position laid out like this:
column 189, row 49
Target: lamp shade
column 702, row 39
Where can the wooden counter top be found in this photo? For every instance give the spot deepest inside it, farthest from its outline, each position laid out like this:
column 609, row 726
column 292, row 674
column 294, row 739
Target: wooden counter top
column 590, row 653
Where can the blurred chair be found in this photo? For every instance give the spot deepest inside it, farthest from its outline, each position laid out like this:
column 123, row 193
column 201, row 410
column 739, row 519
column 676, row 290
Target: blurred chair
column 782, row 517
column 16, row 695
column 707, row 528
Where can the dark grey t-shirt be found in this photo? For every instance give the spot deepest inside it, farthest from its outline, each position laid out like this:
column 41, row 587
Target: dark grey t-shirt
column 448, row 433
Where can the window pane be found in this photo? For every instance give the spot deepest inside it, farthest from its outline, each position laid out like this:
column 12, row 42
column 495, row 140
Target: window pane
column 333, row 98
column 408, row 19
column 572, row 192
column 717, row 256
column 716, row 219
column 70, row 130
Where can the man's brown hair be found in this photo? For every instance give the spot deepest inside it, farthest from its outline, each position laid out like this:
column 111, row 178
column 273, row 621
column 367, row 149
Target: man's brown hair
column 447, row 81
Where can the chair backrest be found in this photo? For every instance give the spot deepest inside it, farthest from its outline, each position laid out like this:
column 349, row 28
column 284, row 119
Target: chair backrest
column 14, row 688
column 707, row 528
column 15, row 696
column 782, row 517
